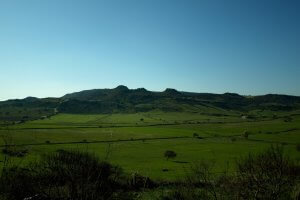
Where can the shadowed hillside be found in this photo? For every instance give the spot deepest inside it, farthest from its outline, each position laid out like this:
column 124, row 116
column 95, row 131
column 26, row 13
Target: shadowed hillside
column 124, row 100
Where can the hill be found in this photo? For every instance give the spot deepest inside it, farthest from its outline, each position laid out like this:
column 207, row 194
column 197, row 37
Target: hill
column 124, row 100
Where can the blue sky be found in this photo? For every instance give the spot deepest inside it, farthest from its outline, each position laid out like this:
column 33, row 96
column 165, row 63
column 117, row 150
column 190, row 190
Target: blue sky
column 53, row 47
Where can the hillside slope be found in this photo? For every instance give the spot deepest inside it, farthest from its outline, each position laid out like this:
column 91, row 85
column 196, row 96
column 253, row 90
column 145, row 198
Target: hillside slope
column 124, row 100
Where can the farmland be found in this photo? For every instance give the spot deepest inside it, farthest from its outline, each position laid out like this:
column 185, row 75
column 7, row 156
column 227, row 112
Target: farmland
column 137, row 141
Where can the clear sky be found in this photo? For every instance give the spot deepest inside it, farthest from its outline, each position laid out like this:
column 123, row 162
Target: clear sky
column 53, row 47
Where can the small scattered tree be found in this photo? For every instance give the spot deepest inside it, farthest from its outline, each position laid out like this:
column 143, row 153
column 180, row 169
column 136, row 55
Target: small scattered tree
column 288, row 119
column 246, row 134
column 170, row 154
column 195, row 135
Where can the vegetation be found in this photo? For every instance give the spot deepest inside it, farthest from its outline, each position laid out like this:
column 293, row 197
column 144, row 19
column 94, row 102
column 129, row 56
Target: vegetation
column 170, row 154
column 74, row 174
column 246, row 134
column 124, row 100
column 140, row 146
column 63, row 175
column 134, row 128
column 298, row 147
column 268, row 175
column 15, row 151
column 195, row 135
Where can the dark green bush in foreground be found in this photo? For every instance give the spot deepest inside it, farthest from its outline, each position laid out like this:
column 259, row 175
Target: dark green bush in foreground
column 265, row 176
column 75, row 175
column 298, row 147
column 64, row 175
column 269, row 175
column 15, row 151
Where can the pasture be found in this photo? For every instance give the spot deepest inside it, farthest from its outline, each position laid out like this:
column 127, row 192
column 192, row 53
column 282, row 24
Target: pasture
column 137, row 142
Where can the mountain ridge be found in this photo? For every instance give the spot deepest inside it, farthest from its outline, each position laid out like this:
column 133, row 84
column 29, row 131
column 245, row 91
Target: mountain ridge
column 124, row 100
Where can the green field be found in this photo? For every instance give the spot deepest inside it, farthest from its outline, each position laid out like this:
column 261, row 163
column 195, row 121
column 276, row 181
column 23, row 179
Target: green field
column 138, row 141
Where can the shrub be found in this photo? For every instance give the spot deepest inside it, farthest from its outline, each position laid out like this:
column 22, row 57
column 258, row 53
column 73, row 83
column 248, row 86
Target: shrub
column 197, row 185
column 182, row 192
column 137, row 181
column 17, row 183
column 288, row 119
column 246, row 134
column 298, row 147
column 269, row 175
column 63, row 175
column 170, row 154
column 195, row 135
column 15, row 151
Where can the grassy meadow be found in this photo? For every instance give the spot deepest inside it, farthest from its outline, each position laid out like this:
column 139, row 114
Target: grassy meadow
column 137, row 142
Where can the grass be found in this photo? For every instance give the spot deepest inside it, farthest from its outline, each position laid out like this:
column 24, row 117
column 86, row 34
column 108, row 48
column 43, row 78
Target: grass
column 89, row 132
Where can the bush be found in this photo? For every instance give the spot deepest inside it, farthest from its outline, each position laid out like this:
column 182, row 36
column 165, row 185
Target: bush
column 15, row 151
column 197, row 185
column 269, row 175
column 63, row 175
column 81, row 174
column 298, row 147
column 17, row 183
column 182, row 192
column 195, row 135
column 137, row 181
column 288, row 119
column 169, row 154
column 246, row 134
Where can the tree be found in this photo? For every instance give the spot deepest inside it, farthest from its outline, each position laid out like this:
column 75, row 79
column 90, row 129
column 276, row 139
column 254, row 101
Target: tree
column 195, row 135
column 246, row 134
column 170, row 154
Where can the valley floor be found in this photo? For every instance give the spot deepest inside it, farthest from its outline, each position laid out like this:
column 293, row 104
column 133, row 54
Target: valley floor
column 137, row 142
